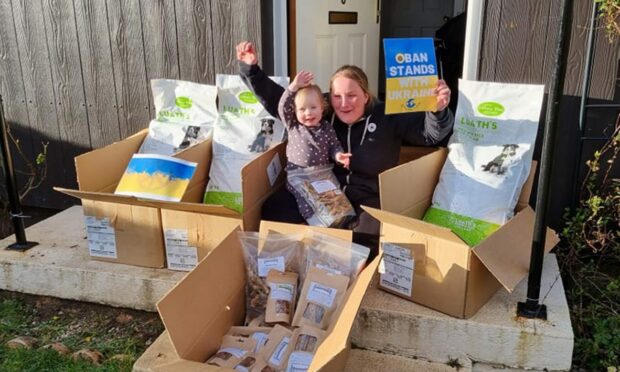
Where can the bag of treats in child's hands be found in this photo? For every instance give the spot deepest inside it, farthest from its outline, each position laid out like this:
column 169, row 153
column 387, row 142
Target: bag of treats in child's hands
column 489, row 159
column 305, row 342
column 263, row 253
column 321, row 190
column 231, row 351
column 320, row 297
column 278, row 347
column 335, row 255
column 282, row 296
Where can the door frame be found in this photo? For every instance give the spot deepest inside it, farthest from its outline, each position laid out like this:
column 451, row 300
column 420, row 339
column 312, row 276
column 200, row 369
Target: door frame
column 285, row 38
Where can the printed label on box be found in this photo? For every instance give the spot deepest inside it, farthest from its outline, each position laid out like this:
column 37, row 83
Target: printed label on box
column 321, row 294
column 323, row 186
column 396, row 269
column 273, row 169
column 179, row 254
column 273, row 263
column 101, row 237
column 280, row 352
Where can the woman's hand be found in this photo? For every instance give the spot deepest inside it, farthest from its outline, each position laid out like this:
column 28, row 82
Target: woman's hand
column 302, row 80
column 246, row 53
column 443, row 95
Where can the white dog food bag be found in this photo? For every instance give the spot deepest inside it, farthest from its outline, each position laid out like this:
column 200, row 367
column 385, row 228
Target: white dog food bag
column 185, row 115
column 489, row 159
column 243, row 130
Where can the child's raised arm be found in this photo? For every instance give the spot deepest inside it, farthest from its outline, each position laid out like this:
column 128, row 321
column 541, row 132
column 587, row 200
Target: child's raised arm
column 302, row 80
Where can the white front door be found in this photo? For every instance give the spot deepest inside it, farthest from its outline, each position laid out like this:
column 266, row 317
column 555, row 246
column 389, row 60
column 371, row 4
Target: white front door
column 323, row 46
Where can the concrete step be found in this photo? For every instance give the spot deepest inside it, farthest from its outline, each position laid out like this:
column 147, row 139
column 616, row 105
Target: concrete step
column 60, row 266
column 495, row 337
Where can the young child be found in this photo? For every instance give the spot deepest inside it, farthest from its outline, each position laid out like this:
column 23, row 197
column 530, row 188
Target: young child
column 312, row 141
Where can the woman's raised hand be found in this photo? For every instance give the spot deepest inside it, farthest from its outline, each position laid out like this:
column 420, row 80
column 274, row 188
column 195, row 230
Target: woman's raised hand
column 246, row 53
column 443, row 95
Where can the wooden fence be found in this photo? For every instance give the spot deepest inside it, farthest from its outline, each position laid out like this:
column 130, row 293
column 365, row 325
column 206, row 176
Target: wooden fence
column 75, row 73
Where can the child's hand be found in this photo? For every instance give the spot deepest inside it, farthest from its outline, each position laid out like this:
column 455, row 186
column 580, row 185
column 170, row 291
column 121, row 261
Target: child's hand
column 343, row 158
column 302, row 80
column 247, row 53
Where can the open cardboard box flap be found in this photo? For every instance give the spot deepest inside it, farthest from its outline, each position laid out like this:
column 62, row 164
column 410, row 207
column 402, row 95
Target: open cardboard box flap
column 505, row 253
column 99, row 172
column 510, row 263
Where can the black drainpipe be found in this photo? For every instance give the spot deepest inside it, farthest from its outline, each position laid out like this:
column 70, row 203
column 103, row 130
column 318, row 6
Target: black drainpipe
column 531, row 308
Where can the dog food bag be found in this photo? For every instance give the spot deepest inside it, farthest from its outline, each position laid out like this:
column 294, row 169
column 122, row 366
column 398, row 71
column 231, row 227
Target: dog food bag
column 232, row 350
column 282, row 295
column 321, row 295
column 280, row 252
column 185, row 115
column 278, row 347
column 259, row 334
column 335, row 255
column 305, row 342
column 321, row 190
column 489, row 159
column 243, row 130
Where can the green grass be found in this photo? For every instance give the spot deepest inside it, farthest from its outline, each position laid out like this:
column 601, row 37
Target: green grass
column 77, row 326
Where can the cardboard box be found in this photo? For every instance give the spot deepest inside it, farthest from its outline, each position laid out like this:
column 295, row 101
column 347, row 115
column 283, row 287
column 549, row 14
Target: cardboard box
column 129, row 229
column 210, row 299
column 448, row 275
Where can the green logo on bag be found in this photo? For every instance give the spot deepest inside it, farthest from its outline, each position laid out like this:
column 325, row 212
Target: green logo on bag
column 247, row 97
column 490, row 108
column 183, row 102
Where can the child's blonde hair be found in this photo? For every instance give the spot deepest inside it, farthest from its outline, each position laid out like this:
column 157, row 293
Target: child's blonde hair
column 306, row 91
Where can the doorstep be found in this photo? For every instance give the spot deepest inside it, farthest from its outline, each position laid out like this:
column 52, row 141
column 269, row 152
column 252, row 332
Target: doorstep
column 60, row 266
column 493, row 338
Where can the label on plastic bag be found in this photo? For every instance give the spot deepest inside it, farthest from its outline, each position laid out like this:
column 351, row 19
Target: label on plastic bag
column 396, row 269
column 321, row 294
column 323, row 186
column 179, row 254
column 266, row 264
column 101, row 237
column 280, row 352
column 299, row 361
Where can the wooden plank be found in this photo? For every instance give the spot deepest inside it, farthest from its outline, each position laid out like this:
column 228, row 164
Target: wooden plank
column 233, row 21
column 40, row 101
column 521, row 42
column 160, row 42
column 576, row 53
column 490, row 39
column 195, row 41
column 13, row 94
column 67, row 80
column 97, row 72
column 132, row 91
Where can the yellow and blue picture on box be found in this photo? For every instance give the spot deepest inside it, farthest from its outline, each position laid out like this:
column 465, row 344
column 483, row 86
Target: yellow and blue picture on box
column 157, row 177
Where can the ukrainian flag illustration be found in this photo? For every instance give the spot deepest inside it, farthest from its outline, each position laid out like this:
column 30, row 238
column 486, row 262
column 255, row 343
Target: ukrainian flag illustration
column 156, row 177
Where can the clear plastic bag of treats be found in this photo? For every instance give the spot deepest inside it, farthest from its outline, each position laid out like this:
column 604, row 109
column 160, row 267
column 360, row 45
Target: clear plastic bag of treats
column 305, row 342
column 320, row 188
column 335, row 255
column 281, row 252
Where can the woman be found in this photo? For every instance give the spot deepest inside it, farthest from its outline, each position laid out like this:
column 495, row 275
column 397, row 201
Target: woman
column 373, row 138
